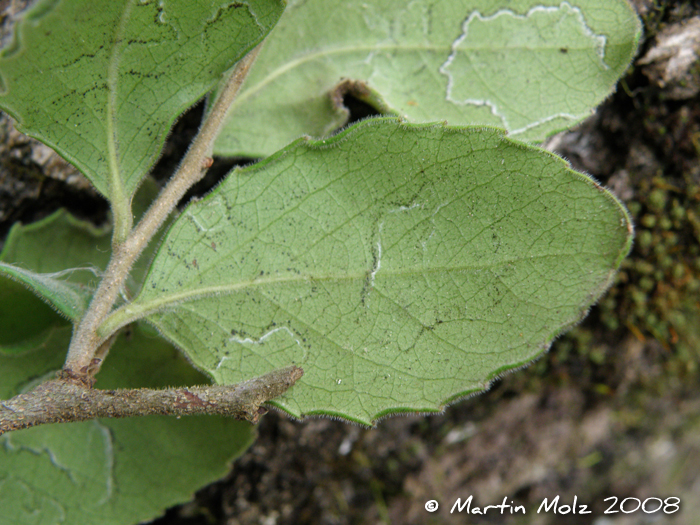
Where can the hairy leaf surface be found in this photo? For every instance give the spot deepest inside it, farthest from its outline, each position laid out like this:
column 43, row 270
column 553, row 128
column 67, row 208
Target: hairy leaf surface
column 101, row 81
column 105, row 471
column 532, row 67
column 400, row 266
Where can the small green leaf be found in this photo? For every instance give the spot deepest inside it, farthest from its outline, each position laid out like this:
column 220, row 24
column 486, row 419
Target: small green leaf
column 101, row 81
column 400, row 266
column 105, row 471
column 59, row 243
column 67, row 298
column 60, row 258
column 529, row 66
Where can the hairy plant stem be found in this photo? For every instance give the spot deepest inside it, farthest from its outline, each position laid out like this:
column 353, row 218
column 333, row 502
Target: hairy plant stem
column 80, row 362
column 62, row 400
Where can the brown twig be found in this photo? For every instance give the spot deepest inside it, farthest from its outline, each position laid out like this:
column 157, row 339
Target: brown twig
column 68, row 399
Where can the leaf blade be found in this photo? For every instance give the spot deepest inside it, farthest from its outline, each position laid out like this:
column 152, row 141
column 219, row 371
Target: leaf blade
column 102, row 84
column 389, row 250
column 425, row 62
column 60, row 258
column 68, row 299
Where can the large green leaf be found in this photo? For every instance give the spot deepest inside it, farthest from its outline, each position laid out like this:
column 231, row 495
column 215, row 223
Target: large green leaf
column 101, row 81
column 60, row 258
column 109, row 472
column 533, row 67
column 400, row 266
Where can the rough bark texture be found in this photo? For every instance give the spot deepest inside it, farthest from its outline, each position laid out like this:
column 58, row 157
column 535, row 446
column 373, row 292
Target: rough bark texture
column 65, row 400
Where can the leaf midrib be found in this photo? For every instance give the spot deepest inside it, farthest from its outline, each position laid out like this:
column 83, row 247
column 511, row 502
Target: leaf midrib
column 135, row 310
column 116, row 186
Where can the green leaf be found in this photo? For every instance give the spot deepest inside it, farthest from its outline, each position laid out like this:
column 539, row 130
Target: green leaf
column 58, row 243
column 105, row 471
column 60, row 258
column 67, row 298
column 24, row 320
column 101, row 81
column 529, row 66
column 400, row 266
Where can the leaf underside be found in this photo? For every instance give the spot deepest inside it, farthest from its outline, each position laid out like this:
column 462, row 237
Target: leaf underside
column 529, row 66
column 102, row 81
column 400, row 266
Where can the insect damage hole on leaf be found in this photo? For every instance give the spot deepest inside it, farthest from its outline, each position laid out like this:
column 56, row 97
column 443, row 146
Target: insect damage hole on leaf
column 353, row 100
